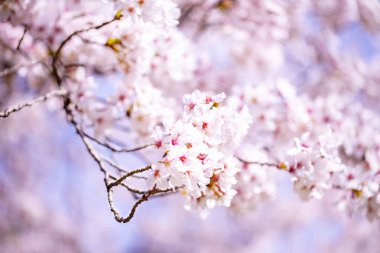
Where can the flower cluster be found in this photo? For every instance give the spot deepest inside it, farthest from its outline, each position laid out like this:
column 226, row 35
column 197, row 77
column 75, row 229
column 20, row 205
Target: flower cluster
column 312, row 163
column 197, row 151
column 161, row 12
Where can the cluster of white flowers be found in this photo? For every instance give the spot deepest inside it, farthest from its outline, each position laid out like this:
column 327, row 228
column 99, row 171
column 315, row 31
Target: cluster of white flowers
column 197, row 150
column 360, row 152
column 160, row 12
column 312, row 163
column 330, row 145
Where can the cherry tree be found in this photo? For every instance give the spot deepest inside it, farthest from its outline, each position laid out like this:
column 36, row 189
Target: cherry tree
column 214, row 97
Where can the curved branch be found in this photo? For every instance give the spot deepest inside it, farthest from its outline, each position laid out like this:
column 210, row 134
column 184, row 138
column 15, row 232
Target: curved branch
column 129, row 174
column 116, row 213
column 148, row 194
column 65, row 41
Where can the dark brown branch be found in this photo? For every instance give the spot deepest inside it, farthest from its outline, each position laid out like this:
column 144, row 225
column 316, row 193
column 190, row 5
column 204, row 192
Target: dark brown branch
column 8, row 47
column 116, row 213
column 16, row 108
column 129, row 174
column 129, row 188
column 65, row 41
column 185, row 14
column 144, row 197
column 22, row 38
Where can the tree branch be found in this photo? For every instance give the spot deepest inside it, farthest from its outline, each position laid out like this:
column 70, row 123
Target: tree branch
column 16, row 108
column 120, row 169
column 17, row 67
column 22, row 38
column 260, row 163
column 65, row 41
column 87, row 138
column 116, row 150
column 116, row 213
column 129, row 174
column 118, row 181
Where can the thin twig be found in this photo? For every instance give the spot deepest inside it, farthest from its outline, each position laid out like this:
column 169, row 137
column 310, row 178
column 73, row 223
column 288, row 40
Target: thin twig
column 65, row 41
column 118, row 181
column 116, row 150
column 258, row 163
column 8, row 47
column 74, row 65
column 120, row 169
column 100, row 160
column 87, row 41
column 16, row 67
column 129, row 174
column 22, row 38
column 16, row 108
column 129, row 188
